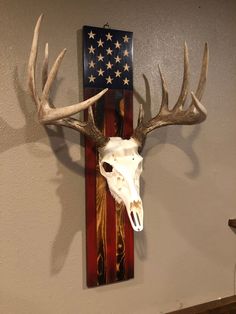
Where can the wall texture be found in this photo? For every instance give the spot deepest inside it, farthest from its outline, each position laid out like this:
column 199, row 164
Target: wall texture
column 187, row 254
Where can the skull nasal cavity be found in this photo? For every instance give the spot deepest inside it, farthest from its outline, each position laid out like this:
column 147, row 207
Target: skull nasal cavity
column 107, row 167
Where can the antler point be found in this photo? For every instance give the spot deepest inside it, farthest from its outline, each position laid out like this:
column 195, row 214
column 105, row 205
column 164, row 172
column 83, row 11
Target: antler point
column 185, row 49
column 46, row 48
column 40, row 18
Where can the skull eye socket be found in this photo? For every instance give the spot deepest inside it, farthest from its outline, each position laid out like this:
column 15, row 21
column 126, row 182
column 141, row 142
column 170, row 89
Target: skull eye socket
column 107, row 167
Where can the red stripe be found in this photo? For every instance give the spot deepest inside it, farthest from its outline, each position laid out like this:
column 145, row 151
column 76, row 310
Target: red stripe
column 90, row 186
column 129, row 233
column 110, row 129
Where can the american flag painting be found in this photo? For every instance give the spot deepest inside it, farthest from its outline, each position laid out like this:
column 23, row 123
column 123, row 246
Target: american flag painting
column 108, row 56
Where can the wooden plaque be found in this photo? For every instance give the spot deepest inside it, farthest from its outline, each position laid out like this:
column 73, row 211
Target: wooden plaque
column 109, row 235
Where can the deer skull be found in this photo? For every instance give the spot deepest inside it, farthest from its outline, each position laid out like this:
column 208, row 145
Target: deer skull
column 121, row 165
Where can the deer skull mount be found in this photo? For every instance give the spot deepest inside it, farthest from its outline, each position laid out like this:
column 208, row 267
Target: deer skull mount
column 121, row 165
column 119, row 159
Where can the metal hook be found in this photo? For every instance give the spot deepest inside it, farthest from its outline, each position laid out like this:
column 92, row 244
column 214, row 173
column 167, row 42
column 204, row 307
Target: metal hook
column 106, row 25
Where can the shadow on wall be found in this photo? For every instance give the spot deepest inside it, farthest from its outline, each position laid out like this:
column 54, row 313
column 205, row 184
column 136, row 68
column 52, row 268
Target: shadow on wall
column 72, row 215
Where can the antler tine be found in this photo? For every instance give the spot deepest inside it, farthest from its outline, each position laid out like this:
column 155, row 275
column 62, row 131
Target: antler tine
column 165, row 97
column 184, row 89
column 195, row 113
column 140, row 132
column 45, row 72
column 45, row 67
column 49, row 115
column 199, row 110
column 203, row 75
column 52, row 75
column 195, row 106
column 32, row 63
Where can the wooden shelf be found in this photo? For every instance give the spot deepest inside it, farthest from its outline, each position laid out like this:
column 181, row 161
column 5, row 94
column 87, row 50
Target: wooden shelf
column 221, row 306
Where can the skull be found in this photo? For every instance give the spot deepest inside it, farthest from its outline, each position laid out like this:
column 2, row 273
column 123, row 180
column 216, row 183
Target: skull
column 121, row 165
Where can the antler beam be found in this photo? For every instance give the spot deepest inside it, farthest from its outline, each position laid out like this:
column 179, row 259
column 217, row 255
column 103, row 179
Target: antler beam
column 195, row 113
column 47, row 113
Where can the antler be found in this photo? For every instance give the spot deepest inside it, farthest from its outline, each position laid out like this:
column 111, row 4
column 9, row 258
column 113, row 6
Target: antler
column 195, row 113
column 47, row 113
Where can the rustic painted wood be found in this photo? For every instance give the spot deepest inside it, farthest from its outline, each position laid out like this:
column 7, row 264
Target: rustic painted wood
column 109, row 235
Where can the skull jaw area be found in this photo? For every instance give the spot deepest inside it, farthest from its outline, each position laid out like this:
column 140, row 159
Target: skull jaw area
column 134, row 210
column 135, row 213
column 132, row 201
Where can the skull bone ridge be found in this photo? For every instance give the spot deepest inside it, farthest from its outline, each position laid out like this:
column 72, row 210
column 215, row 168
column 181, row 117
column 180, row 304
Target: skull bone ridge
column 121, row 165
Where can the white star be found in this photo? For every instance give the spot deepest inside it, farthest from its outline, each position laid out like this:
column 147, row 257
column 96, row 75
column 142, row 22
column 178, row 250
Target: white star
column 100, row 57
column 91, row 78
column 126, row 39
column 91, row 49
column 109, row 80
column 117, row 44
column 91, row 64
column 109, row 36
column 100, row 43
column 126, row 53
column 126, row 67
column 126, row 81
column 109, row 51
column 117, row 73
column 118, row 59
column 91, row 34
column 100, row 72
column 109, row 65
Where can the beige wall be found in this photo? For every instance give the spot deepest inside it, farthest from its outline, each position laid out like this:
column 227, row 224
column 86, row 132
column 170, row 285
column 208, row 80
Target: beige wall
column 187, row 254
